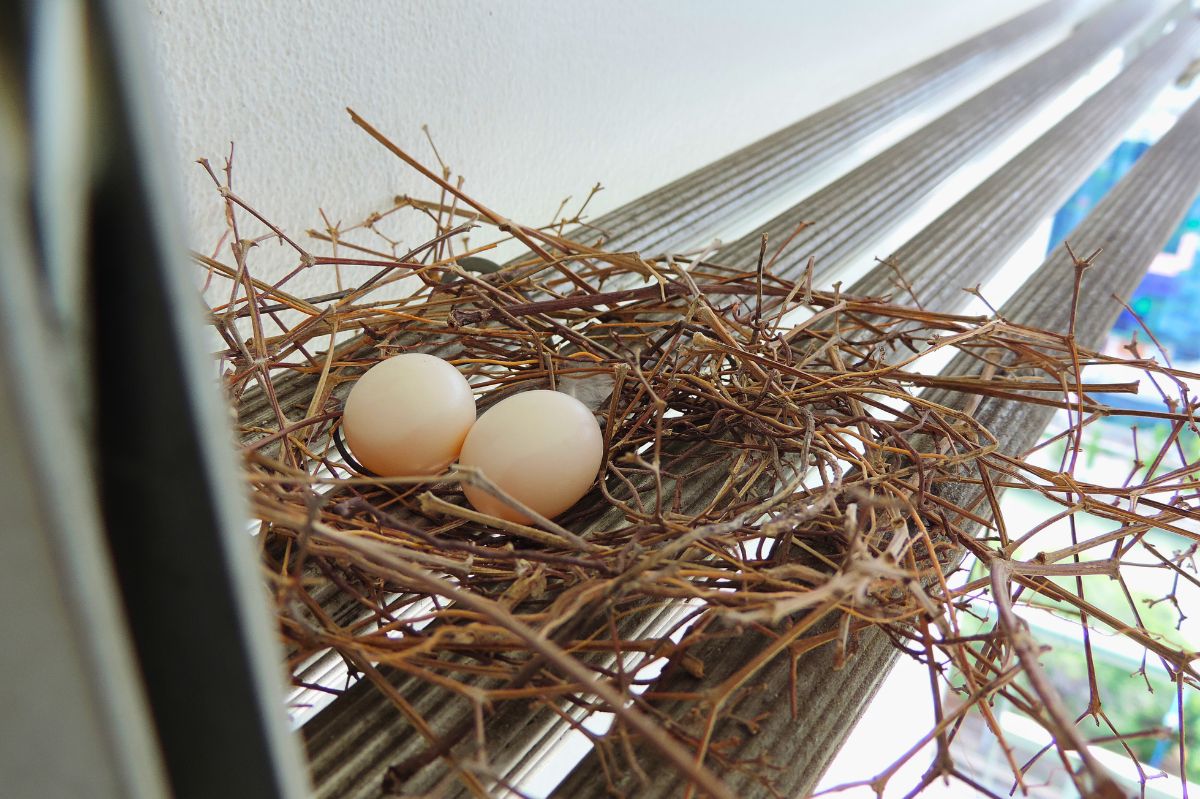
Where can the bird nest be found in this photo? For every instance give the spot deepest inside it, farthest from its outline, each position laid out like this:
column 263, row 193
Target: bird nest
column 780, row 468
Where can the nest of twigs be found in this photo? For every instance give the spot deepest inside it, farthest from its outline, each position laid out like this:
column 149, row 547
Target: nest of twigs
column 775, row 461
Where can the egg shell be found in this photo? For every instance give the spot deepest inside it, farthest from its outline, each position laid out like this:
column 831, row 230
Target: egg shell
column 543, row 448
column 408, row 415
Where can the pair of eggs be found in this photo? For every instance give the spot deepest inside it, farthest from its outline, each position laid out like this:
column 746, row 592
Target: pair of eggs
column 414, row 414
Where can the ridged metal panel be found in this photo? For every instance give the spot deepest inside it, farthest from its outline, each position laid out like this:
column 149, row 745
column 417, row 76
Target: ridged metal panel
column 969, row 242
column 353, row 741
column 848, row 214
column 672, row 216
column 1132, row 224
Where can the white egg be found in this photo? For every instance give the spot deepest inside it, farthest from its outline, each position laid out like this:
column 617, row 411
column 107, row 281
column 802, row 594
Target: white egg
column 408, row 415
column 543, row 448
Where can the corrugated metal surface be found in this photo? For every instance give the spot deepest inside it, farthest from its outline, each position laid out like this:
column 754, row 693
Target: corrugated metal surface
column 360, row 735
column 964, row 247
column 1132, row 224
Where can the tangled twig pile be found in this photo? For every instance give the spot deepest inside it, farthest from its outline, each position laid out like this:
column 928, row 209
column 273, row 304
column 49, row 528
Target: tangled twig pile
column 776, row 460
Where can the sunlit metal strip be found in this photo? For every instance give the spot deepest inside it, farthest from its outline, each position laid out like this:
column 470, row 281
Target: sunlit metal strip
column 850, row 213
column 969, row 242
column 1130, row 226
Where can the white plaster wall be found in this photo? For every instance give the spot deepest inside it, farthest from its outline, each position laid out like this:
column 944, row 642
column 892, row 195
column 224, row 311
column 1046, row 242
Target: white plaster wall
column 530, row 100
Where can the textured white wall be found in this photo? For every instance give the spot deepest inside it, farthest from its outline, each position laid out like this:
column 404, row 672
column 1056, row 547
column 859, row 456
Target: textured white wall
column 531, row 100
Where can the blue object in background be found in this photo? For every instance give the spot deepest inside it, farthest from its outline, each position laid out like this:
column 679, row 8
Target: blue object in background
column 1168, row 304
column 1085, row 198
